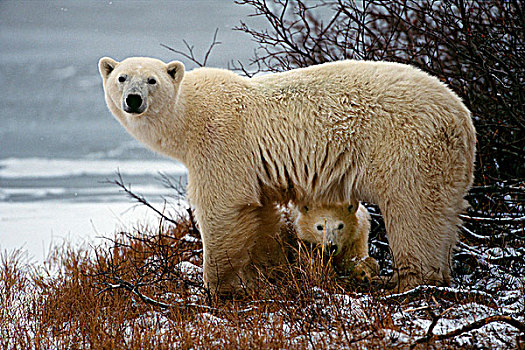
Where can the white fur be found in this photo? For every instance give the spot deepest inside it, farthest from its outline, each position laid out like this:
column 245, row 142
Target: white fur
column 381, row 132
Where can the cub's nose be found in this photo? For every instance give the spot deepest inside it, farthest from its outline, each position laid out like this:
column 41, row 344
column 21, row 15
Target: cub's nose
column 133, row 104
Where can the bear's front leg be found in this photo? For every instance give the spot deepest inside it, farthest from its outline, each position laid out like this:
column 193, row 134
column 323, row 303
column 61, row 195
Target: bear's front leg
column 237, row 241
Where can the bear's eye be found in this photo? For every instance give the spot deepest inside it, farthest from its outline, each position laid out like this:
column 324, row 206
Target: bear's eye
column 320, row 227
column 122, row 78
column 340, row 227
column 305, row 208
column 152, row 81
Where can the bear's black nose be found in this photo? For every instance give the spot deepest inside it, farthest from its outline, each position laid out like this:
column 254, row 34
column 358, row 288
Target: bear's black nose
column 133, row 103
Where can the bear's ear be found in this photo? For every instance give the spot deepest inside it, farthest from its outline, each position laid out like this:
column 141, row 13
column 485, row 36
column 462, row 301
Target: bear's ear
column 106, row 65
column 352, row 206
column 175, row 70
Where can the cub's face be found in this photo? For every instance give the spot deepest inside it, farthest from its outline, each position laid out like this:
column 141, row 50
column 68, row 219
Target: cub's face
column 139, row 86
column 331, row 226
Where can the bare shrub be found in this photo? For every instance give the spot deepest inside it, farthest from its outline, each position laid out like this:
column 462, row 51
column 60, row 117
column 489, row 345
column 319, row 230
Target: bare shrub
column 476, row 47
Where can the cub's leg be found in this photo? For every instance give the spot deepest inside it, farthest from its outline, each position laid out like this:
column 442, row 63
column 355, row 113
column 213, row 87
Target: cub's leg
column 364, row 270
column 358, row 264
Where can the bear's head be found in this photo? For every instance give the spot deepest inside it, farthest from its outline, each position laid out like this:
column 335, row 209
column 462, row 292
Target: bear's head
column 139, row 86
column 331, row 226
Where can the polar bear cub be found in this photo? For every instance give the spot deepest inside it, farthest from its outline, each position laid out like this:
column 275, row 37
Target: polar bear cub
column 342, row 229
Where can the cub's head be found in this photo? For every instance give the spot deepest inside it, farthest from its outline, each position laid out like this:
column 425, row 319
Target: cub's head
column 328, row 225
column 139, row 86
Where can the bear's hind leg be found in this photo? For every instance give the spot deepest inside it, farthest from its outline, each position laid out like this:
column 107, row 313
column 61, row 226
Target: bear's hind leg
column 420, row 241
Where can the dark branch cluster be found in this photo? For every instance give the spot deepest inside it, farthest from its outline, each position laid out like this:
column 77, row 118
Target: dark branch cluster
column 143, row 260
column 476, row 47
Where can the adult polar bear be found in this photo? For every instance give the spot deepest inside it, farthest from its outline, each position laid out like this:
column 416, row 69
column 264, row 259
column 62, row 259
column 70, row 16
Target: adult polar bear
column 380, row 132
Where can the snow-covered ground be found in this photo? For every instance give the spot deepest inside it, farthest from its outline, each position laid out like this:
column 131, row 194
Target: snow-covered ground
column 36, row 227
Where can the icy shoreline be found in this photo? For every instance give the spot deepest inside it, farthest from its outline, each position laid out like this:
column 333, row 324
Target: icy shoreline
column 36, row 227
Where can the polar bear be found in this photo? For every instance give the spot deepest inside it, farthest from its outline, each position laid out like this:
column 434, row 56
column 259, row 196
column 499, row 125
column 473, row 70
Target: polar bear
column 379, row 132
column 341, row 228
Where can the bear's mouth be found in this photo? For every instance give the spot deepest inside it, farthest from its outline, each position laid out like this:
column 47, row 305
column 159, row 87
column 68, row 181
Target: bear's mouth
column 333, row 249
column 134, row 104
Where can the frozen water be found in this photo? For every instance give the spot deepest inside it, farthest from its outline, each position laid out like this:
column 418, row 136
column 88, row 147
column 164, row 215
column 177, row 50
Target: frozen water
column 11, row 168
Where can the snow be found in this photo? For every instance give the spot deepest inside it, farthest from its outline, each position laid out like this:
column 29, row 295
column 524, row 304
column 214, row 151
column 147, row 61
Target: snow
column 37, row 226
column 189, row 269
column 189, row 239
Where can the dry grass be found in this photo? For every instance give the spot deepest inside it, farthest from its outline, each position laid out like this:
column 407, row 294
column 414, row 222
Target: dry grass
column 143, row 290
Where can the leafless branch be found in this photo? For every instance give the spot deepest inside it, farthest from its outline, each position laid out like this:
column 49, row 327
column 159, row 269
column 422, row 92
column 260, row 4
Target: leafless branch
column 190, row 54
column 140, row 199
column 444, row 293
column 507, row 220
column 121, row 284
column 474, row 325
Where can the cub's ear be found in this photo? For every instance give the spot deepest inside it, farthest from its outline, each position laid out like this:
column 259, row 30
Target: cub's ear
column 353, row 206
column 175, row 70
column 106, row 66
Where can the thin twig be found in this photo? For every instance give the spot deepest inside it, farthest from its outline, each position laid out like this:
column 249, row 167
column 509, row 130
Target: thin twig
column 443, row 292
column 505, row 220
column 190, row 54
column 120, row 284
column 474, row 325
column 120, row 182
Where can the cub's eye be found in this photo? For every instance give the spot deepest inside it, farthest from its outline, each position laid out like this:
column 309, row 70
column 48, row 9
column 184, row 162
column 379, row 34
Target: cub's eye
column 319, row 227
column 340, row 227
column 305, row 208
column 122, row 78
column 152, row 81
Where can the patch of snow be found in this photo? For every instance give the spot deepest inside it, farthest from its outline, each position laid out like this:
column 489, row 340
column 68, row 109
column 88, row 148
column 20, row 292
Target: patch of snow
column 397, row 337
column 210, row 319
column 188, row 268
column 190, row 239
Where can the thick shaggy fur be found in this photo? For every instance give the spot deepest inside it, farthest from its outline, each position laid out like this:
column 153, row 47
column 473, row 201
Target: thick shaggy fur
column 380, row 132
column 342, row 228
